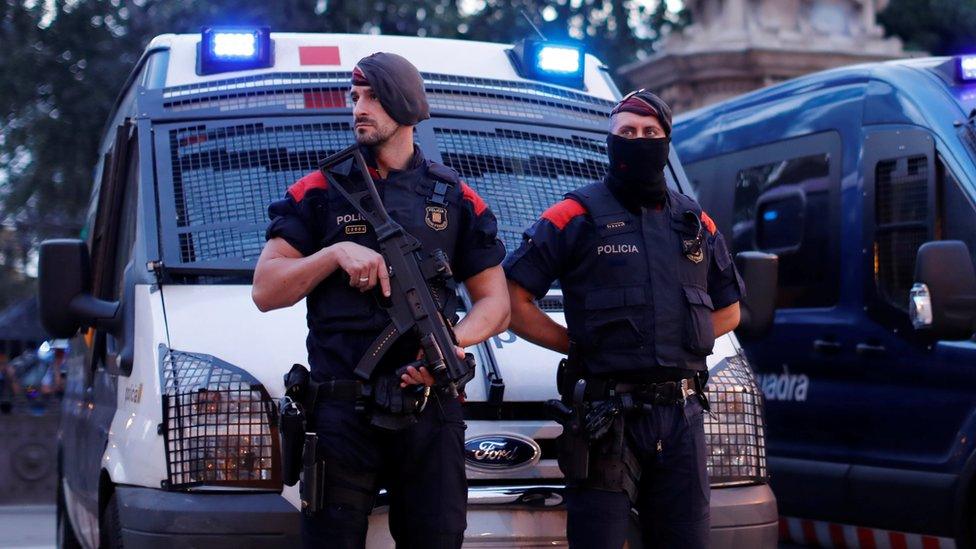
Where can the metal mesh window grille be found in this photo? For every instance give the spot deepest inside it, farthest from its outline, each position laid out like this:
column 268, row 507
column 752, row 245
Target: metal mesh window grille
column 901, row 211
column 477, row 96
column 225, row 177
column 520, row 174
column 735, row 430
column 218, row 424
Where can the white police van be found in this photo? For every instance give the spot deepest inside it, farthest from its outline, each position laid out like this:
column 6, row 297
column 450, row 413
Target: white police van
column 169, row 435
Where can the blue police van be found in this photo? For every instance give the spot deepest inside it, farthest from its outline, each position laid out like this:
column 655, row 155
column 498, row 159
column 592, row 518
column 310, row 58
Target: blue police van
column 862, row 180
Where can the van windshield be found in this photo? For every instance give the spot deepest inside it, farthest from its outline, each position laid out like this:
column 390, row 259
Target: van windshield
column 216, row 178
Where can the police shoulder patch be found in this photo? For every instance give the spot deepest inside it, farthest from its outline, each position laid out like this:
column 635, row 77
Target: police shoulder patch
column 708, row 223
column 314, row 180
column 561, row 213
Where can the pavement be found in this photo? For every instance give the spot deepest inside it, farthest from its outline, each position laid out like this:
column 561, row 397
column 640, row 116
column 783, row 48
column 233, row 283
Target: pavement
column 27, row 527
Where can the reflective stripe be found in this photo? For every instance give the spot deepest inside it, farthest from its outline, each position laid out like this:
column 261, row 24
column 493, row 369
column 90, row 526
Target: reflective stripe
column 828, row 534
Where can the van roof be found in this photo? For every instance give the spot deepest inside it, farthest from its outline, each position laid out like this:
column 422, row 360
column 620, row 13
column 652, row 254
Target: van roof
column 903, row 74
column 318, row 52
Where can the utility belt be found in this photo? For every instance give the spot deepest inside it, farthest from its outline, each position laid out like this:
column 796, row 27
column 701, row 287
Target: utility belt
column 593, row 448
column 382, row 400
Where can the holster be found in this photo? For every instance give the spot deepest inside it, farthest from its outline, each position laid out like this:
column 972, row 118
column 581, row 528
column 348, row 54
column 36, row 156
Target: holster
column 291, row 427
column 614, row 466
column 293, row 422
column 573, row 445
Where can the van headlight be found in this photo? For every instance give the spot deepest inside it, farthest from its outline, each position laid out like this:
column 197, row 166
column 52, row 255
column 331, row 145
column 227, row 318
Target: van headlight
column 218, row 424
column 735, row 431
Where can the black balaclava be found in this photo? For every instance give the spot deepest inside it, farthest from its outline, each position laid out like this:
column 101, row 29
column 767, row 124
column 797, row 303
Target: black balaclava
column 636, row 174
column 397, row 84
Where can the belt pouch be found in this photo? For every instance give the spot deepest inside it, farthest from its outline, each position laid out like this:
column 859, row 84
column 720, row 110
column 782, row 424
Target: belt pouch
column 313, row 475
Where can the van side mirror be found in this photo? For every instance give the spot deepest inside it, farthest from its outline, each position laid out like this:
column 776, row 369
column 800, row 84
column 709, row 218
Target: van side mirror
column 64, row 284
column 760, row 273
column 943, row 299
column 780, row 220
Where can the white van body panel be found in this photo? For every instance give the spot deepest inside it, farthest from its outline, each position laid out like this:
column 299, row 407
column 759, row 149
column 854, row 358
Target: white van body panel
column 454, row 58
column 135, row 453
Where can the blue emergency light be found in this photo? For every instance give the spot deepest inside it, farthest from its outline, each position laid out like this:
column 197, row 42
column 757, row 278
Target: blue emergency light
column 225, row 49
column 967, row 68
column 557, row 62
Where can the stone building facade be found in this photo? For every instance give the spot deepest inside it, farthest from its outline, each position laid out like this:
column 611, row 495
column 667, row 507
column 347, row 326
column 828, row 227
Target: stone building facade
column 735, row 46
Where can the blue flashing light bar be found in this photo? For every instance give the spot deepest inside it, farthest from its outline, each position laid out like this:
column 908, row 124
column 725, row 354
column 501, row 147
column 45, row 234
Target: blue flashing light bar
column 967, row 68
column 224, row 49
column 556, row 62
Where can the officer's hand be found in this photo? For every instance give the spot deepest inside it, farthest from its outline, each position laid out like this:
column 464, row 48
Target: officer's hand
column 422, row 376
column 364, row 266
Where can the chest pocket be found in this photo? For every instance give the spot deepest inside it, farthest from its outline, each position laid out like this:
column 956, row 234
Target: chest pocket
column 615, row 318
column 334, row 303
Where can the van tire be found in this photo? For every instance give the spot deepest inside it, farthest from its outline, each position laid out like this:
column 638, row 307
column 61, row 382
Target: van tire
column 64, row 530
column 110, row 530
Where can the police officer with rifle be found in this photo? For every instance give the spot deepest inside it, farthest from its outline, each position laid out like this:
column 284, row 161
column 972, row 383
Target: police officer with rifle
column 648, row 284
column 377, row 240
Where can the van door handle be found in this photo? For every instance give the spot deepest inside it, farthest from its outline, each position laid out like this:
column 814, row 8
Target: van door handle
column 864, row 349
column 826, row 347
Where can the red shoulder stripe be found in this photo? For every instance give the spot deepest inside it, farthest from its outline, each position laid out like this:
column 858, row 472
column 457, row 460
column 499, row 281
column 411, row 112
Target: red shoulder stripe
column 473, row 198
column 708, row 223
column 561, row 213
column 314, row 180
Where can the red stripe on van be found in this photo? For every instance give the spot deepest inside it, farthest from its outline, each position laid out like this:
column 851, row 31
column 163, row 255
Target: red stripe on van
column 809, row 532
column 897, row 540
column 865, row 538
column 837, row 535
column 318, row 55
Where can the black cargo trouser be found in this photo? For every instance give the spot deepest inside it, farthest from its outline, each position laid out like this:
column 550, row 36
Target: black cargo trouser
column 421, row 467
column 673, row 492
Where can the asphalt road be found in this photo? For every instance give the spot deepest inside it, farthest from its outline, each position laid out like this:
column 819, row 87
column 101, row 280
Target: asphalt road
column 27, row 527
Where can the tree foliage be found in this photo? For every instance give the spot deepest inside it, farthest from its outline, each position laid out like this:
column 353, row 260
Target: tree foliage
column 64, row 61
column 940, row 27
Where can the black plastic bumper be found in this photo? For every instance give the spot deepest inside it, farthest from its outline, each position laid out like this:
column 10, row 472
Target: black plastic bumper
column 156, row 518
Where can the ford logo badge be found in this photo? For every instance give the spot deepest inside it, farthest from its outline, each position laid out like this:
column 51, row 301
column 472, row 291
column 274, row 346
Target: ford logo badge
column 500, row 452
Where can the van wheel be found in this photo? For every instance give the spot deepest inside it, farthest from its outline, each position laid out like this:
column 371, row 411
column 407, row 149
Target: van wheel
column 110, row 530
column 65, row 532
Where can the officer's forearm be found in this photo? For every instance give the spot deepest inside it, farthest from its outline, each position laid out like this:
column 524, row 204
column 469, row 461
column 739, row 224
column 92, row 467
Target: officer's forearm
column 281, row 281
column 725, row 319
column 490, row 313
column 530, row 322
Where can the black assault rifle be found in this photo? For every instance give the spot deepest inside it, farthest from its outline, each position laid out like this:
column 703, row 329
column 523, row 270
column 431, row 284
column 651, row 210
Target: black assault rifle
column 411, row 305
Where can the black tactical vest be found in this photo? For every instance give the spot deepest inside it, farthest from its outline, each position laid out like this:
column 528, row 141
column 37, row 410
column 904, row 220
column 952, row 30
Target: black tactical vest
column 638, row 297
column 426, row 201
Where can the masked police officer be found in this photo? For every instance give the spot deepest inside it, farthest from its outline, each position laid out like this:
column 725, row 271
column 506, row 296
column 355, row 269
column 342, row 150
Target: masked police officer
column 648, row 284
column 320, row 248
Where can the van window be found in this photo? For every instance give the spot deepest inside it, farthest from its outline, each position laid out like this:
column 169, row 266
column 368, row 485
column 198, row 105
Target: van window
column 521, row 173
column 956, row 212
column 217, row 178
column 784, row 207
column 901, row 224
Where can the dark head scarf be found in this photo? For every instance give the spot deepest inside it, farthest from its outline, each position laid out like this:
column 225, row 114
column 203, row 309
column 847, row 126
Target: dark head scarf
column 397, row 84
column 645, row 103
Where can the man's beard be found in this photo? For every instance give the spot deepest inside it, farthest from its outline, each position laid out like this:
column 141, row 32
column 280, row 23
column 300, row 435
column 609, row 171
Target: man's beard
column 375, row 135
